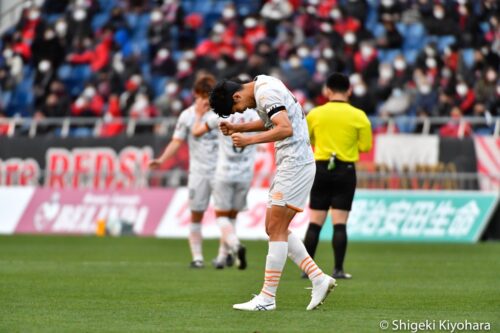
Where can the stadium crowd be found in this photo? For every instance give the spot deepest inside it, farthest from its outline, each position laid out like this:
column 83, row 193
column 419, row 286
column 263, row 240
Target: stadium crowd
column 138, row 58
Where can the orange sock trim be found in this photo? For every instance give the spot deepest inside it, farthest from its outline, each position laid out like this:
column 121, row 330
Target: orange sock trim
column 267, row 293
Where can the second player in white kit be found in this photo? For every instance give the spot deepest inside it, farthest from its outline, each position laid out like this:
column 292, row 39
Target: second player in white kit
column 233, row 176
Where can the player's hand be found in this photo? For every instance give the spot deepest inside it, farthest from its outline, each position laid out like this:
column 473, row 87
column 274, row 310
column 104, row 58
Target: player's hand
column 154, row 164
column 226, row 128
column 201, row 106
column 240, row 140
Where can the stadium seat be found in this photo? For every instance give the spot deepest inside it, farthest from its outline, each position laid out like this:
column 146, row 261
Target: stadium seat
column 446, row 41
column 387, row 56
column 414, row 37
column 410, row 56
column 99, row 20
column 468, row 57
column 158, row 84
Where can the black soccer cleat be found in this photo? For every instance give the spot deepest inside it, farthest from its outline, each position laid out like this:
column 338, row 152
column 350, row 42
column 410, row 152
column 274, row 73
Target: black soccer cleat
column 303, row 275
column 197, row 264
column 229, row 260
column 241, row 255
column 340, row 274
column 218, row 264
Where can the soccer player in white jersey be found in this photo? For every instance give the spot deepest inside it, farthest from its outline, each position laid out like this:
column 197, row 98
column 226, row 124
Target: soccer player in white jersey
column 233, row 176
column 202, row 160
column 281, row 121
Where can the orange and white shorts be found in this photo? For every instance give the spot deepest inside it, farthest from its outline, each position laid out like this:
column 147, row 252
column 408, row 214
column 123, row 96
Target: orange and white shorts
column 291, row 186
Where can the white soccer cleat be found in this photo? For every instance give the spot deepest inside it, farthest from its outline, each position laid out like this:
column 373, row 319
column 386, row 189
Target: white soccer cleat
column 256, row 304
column 321, row 291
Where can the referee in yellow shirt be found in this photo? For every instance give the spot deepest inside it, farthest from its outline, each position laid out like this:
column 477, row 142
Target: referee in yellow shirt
column 338, row 132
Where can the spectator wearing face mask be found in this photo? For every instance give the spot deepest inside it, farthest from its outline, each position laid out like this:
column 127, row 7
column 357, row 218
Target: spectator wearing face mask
column 464, row 97
column 439, row 23
column 44, row 76
column 163, row 64
column 362, row 98
column 48, row 47
column 402, row 73
column 30, row 21
column 79, row 23
column 295, row 75
column 158, row 32
column 398, row 103
column 165, row 102
column 485, row 87
column 273, row 12
column 382, row 87
column 426, row 97
column 142, row 109
column 88, row 104
column 366, row 62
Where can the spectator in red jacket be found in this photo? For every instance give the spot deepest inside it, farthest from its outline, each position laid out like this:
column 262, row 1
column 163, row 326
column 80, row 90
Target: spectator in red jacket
column 98, row 58
column 88, row 104
column 456, row 127
column 465, row 97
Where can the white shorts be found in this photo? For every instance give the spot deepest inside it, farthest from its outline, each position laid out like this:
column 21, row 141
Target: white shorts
column 291, row 186
column 230, row 195
column 200, row 189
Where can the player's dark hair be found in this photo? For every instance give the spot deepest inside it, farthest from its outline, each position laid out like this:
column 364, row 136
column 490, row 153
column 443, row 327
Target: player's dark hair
column 221, row 98
column 338, row 82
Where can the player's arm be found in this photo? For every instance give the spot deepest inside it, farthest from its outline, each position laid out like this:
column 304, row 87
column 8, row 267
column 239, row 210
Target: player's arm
column 282, row 129
column 199, row 129
column 364, row 134
column 171, row 149
column 228, row 128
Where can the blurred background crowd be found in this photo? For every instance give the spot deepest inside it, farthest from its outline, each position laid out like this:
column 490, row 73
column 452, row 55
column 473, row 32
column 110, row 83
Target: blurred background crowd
column 138, row 58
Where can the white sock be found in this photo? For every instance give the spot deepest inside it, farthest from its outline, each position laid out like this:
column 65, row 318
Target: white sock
column 275, row 262
column 228, row 233
column 223, row 251
column 298, row 253
column 195, row 242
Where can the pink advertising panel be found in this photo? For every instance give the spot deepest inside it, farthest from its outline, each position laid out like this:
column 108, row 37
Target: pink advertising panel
column 72, row 211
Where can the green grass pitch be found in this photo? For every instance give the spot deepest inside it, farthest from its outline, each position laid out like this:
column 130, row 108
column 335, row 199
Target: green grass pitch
column 87, row 284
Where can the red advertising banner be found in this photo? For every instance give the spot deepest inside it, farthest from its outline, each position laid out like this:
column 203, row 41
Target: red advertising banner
column 73, row 211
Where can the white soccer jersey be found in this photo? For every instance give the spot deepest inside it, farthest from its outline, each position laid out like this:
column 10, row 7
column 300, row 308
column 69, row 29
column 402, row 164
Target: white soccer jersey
column 272, row 96
column 202, row 150
column 234, row 164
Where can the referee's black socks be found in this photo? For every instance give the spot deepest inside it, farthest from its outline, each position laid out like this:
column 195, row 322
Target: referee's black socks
column 339, row 244
column 312, row 238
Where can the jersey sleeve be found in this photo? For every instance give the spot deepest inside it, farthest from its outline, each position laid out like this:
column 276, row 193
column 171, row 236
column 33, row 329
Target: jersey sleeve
column 181, row 128
column 364, row 133
column 310, row 125
column 212, row 121
column 270, row 100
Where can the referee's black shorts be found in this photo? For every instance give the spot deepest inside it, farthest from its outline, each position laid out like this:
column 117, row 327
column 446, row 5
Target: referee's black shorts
column 333, row 188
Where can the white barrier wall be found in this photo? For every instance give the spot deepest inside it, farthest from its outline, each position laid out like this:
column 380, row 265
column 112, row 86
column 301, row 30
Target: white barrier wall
column 413, row 216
